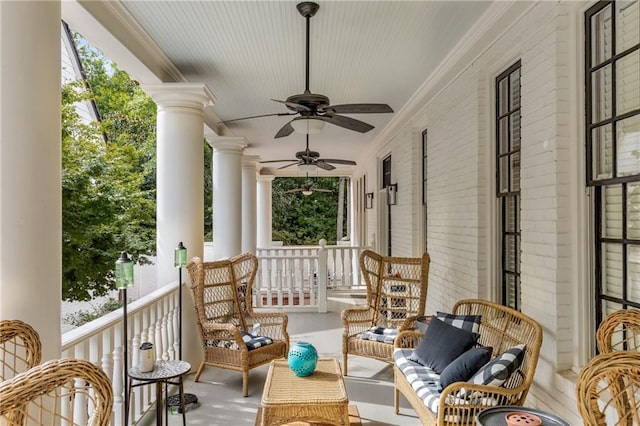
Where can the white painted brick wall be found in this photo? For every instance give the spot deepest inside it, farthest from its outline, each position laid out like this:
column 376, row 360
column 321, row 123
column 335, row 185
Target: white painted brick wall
column 461, row 178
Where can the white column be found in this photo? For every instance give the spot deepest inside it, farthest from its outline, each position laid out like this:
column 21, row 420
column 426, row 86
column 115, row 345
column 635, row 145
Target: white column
column 227, row 195
column 180, row 189
column 30, row 169
column 249, row 219
column 264, row 210
column 180, row 171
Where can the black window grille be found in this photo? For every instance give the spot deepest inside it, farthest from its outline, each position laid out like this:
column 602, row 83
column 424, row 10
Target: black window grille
column 508, row 181
column 612, row 133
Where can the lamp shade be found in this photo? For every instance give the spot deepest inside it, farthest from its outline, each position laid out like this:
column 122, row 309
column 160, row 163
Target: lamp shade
column 307, row 168
column 124, row 271
column 307, row 125
column 180, row 256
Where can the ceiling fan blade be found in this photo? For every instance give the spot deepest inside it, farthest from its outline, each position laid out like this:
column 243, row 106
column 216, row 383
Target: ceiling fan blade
column 259, row 116
column 323, row 165
column 321, row 190
column 286, row 130
column 293, row 105
column 276, row 161
column 347, row 122
column 294, row 190
column 331, row 160
column 289, row 165
column 359, row 109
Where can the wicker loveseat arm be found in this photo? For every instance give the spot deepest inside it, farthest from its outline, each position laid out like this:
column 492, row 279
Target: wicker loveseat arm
column 460, row 402
column 407, row 339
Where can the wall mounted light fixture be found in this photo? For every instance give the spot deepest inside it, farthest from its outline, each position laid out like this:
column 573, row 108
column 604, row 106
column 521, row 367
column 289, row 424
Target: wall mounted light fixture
column 392, row 190
column 368, row 200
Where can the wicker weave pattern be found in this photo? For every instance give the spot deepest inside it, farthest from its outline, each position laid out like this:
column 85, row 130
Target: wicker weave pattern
column 36, row 396
column 619, row 331
column 608, row 389
column 501, row 328
column 222, row 295
column 20, row 348
column 396, row 294
column 320, row 397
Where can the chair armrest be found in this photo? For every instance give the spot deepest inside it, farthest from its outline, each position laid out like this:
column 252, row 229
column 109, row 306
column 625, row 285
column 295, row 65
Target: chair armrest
column 272, row 324
column 356, row 320
column 407, row 339
column 217, row 331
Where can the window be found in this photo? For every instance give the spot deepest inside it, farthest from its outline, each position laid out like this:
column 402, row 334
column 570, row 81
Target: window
column 424, row 190
column 612, row 76
column 508, row 181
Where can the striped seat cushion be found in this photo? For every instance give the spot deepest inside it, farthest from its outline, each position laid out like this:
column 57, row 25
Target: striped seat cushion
column 380, row 334
column 423, row 380
column 251, row 341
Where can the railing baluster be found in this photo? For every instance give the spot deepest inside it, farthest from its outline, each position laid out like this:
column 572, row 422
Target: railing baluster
column 152, row 318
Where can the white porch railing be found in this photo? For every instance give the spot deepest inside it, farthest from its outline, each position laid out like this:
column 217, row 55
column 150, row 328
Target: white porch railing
column 299, row 277
column 152, row 318
column 291, row 278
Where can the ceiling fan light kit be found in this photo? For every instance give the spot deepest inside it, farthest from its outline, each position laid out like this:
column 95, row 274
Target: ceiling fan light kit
column 307, row 168
column 307, row 125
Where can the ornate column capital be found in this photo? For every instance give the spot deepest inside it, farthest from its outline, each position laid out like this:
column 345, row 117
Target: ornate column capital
column 266, row 178
column 180, row 95
column 229, row 143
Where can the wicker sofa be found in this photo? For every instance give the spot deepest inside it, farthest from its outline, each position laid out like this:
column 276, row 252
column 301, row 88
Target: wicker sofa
column 458, row 403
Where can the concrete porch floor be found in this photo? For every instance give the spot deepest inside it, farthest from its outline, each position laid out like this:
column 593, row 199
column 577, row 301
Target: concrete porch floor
column 369, row 384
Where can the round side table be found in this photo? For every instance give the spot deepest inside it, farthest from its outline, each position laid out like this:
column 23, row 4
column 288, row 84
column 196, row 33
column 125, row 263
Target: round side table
column 162, row 373
column 495, row 416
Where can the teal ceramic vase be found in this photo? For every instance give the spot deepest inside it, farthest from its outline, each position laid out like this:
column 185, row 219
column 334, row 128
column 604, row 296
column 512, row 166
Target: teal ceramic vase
column 302, row 358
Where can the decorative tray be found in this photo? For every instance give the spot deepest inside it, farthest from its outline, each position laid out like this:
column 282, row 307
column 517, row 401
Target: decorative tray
column 495, row 416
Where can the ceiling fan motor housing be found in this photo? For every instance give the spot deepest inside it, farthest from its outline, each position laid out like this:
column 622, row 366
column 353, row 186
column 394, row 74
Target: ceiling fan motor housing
column 307, row 8
column 307, row 154
column 310, row 100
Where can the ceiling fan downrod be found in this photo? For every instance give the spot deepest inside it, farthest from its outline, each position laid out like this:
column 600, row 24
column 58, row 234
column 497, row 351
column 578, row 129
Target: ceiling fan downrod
column 307, row 9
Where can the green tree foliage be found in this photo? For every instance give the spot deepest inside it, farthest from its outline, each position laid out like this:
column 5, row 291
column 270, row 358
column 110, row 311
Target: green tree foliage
column 304, row 220
column 208, row 192
column 108, row 178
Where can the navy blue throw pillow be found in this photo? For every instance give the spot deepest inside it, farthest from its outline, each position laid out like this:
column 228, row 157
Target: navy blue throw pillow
column 441, row 344
column 465, row 366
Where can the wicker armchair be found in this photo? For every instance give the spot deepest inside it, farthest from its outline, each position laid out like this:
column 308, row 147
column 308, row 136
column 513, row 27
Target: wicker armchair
column 396, row 294
column 619, row 331
column 222, row 295
column 501, row 328
column 607, row 389
column 50, row 393
column 20, row 348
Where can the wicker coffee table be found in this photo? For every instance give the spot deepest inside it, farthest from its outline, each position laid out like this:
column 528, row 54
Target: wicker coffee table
column 318, row 398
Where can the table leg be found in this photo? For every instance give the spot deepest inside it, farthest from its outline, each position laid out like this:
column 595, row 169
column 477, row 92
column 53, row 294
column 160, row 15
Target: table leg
column 166, row 403
column 159, row 403
column 182, row 403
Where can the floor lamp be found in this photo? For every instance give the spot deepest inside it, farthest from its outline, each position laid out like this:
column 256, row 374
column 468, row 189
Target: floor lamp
column 124, row 281
column 180, row 261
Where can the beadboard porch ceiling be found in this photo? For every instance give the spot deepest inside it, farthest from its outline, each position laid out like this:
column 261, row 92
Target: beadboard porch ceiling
column 249, row 52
